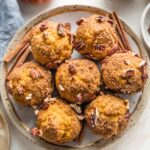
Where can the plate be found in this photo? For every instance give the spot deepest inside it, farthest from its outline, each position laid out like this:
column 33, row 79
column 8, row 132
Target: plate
column 23, row 118
column 4, row 134
column 145, row 24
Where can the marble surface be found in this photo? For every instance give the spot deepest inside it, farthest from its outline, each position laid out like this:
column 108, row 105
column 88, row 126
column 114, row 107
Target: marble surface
column 138, row 137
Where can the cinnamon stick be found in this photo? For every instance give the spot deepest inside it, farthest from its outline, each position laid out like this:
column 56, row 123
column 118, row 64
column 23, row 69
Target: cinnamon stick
column 121, row 32
column 23, row 43
column 20, row 61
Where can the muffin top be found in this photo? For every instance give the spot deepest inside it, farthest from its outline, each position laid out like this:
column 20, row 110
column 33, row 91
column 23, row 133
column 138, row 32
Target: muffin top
column 58, row 122
column 30, row 84
column 78, row 80
column 124, row 72
column 96, row 37
column 107, row 115
column 51, row 43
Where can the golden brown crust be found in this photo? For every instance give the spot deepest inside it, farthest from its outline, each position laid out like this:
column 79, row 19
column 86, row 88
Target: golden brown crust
column 58, row 122
column 107, row 115
column 30, row 84
column 51, row 43
column 78, row 80
column 124, row 72
column 98, row 37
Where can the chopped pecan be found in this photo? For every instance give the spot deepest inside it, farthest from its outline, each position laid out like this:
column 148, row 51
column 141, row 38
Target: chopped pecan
column 99, row 47
column 128, row 73
column 49, row 99
column 35, row 74
column 61, row 88
column 127, row 62
column 143, row 70
column 36, row 132
column 77, row 108
column 100, row 18
column 45, row 105
column 94, row 118
column 72, row 37
column 78, row 22
column 79, row 98
column 111, row 22
column 113, row 50
column 79, row 45
column 72, row 69
column 80, row 117
column 60, row 30
column 29, row 96
column 53, row 65
column 20, row 89
column 36, row 112
column 43, row 27
column 126, row 102
column 142, row 63
column 67, row 26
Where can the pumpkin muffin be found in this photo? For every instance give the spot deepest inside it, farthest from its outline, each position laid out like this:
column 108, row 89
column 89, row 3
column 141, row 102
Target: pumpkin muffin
column 96, row 37
column 124, row 72
column 107, row 115
column 51, row 43
column 78, row 80
column 57, row 122
column 30, row 83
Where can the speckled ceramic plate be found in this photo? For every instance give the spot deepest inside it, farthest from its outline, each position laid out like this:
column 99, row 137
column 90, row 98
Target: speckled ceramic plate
column 4, row 134
column 23, row 117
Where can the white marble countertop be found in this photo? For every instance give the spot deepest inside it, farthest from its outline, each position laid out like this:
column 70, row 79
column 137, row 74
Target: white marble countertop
column 138, row 137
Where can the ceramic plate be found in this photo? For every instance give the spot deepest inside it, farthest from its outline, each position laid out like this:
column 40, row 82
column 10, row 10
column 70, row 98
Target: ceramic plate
column 23, row 117
column 4, row 134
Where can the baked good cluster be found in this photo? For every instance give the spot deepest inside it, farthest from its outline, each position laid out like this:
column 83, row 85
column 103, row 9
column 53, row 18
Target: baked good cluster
column 85, row 91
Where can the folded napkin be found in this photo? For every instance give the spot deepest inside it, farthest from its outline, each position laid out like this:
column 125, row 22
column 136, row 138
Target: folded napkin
column 10, row 20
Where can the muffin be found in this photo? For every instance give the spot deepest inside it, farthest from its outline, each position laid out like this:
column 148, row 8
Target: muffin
column 124, row 72
column 51, row 43
column 96, row 37
column 78, row 80
column 30, row 83
column 56, row 122
column 107, row 115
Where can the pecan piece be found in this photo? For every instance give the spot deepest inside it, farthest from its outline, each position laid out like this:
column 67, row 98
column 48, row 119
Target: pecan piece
column 35, row 74
column 53, row 65
column 45, row 105
column 78, row 22
column 60, row 30
column 127, row 62
column 94, row 118
column 111, row 22
column 99, row 47
column 36, row 132
column 128, row 73
column 80, row 117
column 100, row 18
column 79, row 98
column 20, row 89
column 77, row 108
column 79, row 45
column 72, row 69
column 142, row 68
column 67, row 26
column 43, row 27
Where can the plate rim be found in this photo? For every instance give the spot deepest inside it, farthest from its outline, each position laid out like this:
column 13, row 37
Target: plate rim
column 29, row 22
